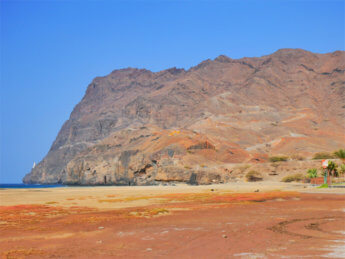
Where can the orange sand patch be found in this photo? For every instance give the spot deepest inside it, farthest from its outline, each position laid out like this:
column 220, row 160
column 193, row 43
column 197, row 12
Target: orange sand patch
column 26, row 217
column 186, row 225
column 228, row 197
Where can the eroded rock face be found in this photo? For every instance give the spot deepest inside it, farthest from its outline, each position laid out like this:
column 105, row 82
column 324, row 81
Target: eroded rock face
column 136, row 127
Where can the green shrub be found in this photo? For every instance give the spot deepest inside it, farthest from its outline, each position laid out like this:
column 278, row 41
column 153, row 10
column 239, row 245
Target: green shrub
column 323, row 155
column 325, row 185
column 340, row 153
column 312, row 173
column 253, row 176
column 278, row 158
column 292, row 178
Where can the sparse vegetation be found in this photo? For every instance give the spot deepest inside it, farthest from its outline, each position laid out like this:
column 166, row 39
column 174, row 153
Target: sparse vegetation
column 334, row 182
column 148, row 212
column 23, row 253
column 297, row 157
column 278, row 158
column 51, row 202
column 312, row 173
column 253, row 176
column 340, row 154
column 243, row 168
column 323, row 155
column 293, row 178
column 275, row 165
column 325, row 185
column 342, row 169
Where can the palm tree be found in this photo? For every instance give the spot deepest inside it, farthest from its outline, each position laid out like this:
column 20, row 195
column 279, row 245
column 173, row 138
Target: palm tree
column 332, row 168
column 312, row 173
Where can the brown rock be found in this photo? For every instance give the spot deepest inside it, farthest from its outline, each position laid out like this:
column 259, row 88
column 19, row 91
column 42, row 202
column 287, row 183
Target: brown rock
column 134, row 126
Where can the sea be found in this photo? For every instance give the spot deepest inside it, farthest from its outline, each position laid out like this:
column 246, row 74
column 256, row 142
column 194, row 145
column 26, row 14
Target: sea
column 27, row 186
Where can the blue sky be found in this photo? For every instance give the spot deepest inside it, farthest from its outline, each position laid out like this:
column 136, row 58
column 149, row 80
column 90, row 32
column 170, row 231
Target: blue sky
column 50, row 52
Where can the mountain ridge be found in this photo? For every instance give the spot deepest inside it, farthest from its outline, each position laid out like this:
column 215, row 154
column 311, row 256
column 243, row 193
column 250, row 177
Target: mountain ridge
column 228, row 103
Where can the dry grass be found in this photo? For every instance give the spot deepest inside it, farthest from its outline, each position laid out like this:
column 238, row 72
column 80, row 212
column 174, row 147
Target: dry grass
column 110, row 200
column 293, row 178
column 297, row 157
column 278, row 159
column 52, row 202
column 128, row 199
column 242, row 168
column 254, row 176
column 22, row 253
column 225, row 197
column 323, row 155
column 28, row 217
column 148, row 213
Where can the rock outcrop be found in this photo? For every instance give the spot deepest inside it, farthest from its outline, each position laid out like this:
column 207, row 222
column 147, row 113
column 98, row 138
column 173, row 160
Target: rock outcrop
column 136, row 127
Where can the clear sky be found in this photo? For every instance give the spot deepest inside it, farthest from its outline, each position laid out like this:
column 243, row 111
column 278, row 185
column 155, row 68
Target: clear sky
column 50, row 52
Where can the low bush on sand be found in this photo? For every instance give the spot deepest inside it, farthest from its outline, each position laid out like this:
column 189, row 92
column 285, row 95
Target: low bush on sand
column 293, row 178
column 340, row 153
column 323, row 155
column 278, row 158
column 253, row 176
column 242, row 168
column 297, row 157
column 342, row 169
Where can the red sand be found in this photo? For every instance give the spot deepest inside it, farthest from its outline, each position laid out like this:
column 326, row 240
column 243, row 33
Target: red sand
column 269, row 225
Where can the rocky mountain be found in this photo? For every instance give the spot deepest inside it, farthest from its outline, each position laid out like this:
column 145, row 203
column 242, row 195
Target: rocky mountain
column 136, row 127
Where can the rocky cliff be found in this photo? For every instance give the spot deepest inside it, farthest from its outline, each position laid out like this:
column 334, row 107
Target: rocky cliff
column 136, row 127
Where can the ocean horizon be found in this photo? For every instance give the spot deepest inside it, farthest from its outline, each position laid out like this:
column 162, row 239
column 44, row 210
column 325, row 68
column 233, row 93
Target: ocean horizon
column 23, row 185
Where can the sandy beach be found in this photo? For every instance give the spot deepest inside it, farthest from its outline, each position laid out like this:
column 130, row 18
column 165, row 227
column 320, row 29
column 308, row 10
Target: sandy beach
column 115, row 197
column 237, row 220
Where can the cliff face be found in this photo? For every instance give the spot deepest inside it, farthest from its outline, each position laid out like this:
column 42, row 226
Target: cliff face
column 134, row 126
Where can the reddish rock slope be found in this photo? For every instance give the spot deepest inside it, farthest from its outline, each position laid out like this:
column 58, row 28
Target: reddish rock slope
column 134, row 126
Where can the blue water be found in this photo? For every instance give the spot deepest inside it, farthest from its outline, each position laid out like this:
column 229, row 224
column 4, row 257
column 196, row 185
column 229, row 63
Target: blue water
column 22, row 185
